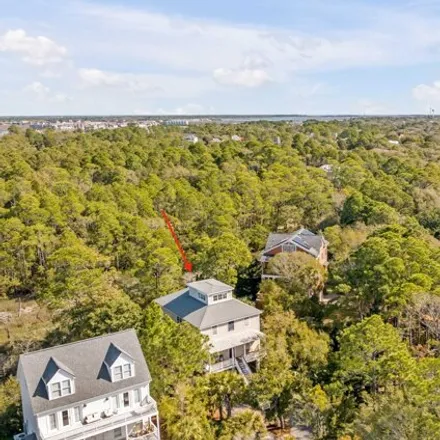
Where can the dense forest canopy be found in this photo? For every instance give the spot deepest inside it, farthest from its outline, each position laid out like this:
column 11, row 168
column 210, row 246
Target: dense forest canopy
column 81, row 238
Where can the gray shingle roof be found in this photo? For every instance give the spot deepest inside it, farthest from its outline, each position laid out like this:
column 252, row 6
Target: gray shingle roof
column 205, row 316
column 53, row 366
column 275, row 239
column 210, row 286
column 85, row 359
column 113, row 354
column 304, row 238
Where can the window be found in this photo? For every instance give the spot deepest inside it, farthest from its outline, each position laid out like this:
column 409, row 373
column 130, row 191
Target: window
column 289, row 247
column 201, row 296
column 117, row 432
column 214, row 329
column 66, row 388
column 126, row 399
column 127, row 370
column 76, row 414
column 55, row 389
column 246, row 322
column 118, row 373
column 122, row 372
column 137, row 395
column 179, row 319
column 231, row 326
column 65, row 417
column 53, row 421
column 220, row 296
column 115, row 402
column 59, row 389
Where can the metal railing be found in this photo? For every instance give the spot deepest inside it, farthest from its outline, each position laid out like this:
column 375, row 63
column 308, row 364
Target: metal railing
column 230, row 363
column 105, row 424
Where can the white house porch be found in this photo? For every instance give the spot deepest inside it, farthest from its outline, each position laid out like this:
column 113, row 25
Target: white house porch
column 233, row 351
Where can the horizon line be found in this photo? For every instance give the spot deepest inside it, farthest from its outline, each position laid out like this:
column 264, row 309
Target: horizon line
column 221, row 115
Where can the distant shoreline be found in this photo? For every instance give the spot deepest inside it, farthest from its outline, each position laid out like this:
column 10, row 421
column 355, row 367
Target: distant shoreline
column 208, row 118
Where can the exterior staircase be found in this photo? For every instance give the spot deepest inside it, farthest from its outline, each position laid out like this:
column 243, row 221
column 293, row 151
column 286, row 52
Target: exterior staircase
column 243, row 369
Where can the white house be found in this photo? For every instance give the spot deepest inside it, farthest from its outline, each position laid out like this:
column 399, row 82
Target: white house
column 191, row 138
column 96, row 389
column 232, row 326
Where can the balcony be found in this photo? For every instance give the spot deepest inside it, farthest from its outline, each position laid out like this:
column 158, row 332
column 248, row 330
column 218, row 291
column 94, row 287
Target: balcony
column 229, row 364
column 143, row 431
column 85, row 430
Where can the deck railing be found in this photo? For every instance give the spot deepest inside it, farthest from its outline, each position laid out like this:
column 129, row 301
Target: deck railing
column 102, row 425
column 230, row 363
column 222, row 365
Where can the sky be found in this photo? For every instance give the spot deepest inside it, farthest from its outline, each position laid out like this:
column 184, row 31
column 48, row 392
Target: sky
column 182, row 57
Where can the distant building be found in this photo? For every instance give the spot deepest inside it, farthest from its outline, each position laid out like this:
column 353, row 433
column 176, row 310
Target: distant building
column 236, row 138
column 277, row 140
column 393, row 142
column 177, row 122
column 232, row 326
column 3, row 133
column 302, row 240
column 191, row 138
column 96, row 389
column 216, row 141
column 327, row 168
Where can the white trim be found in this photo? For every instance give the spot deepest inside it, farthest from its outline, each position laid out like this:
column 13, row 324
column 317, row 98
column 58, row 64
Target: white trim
column 50, row 385
column 92, row 399
column 296, row 244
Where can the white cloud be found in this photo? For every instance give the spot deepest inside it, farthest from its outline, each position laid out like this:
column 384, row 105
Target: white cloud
column 207, row 46
column 37, row 88
column 127, row 81
column 39, row 50
column 44, row 93
column 188, row 109
column 158, row 85
column 241, row 77
column 427, row 93
column 169, row 59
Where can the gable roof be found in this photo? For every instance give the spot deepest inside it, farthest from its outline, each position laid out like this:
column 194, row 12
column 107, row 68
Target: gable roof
column 204, row 316
column 52, row 367
column 86, row 360
column 210, row 287
column 113, row 354
column 305, row 239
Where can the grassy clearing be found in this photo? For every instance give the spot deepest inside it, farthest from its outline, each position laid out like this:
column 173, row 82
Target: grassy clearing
column 25, row 321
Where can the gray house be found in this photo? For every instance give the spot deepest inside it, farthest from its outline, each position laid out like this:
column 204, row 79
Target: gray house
column 232, row 326
column 301, row 240
column 96, row 389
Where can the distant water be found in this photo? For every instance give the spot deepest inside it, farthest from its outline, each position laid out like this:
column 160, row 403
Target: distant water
column 280, row 118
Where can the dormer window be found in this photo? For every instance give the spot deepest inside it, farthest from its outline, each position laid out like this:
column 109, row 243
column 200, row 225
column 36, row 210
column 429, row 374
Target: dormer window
column 119, row 364
column 122, row 372
column 61, row 389
column 58, row 379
